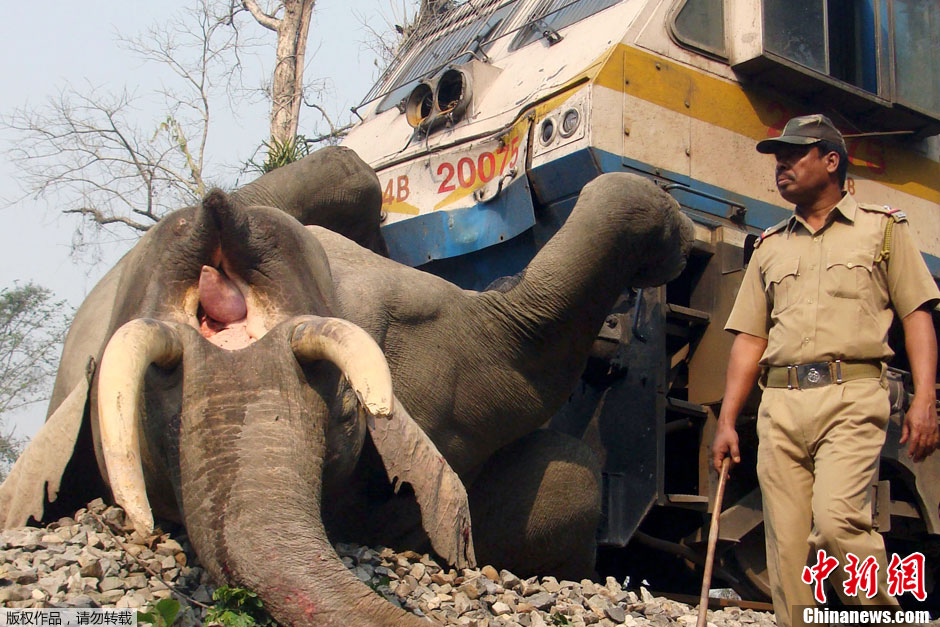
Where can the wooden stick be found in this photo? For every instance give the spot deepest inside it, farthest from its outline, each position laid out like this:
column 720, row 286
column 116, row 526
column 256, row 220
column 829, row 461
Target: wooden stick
column 712, row 542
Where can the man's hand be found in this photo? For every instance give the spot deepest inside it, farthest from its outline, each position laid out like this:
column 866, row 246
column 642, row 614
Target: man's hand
column 920, row 428
column 725, row 444
column 743, row 368
column 920, row 422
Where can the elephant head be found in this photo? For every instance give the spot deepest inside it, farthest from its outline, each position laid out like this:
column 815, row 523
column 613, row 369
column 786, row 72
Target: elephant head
column 226, row 391
column 234, row 361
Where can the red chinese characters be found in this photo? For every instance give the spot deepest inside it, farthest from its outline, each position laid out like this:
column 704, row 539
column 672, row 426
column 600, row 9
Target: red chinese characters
column 907, row 575
column 818, row 574
column 862, row 577
column 903, row 575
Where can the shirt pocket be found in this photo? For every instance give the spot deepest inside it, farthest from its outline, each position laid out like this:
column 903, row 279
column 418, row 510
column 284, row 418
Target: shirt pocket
column 780, row 283
column 848, row 273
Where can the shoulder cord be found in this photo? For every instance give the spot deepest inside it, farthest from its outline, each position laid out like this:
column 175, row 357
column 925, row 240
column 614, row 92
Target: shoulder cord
column 885, row 251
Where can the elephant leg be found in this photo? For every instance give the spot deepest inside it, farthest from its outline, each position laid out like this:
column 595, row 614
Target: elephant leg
column 535, row 506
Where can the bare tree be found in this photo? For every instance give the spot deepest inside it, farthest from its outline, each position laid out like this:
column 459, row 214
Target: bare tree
column 290, row 19
column 428, row 12
column 32, row 327
column 404, row 22
column 386, row 29
column 88, row 151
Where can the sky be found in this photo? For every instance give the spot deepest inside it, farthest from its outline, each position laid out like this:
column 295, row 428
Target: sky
column 47, row 44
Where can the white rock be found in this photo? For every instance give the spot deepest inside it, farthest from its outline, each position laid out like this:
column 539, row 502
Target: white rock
column 169, row 547
column 501, row 609
column 537, row 620
column 461, row 603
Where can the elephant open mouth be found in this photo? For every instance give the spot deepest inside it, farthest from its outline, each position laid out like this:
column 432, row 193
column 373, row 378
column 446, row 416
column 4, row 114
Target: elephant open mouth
column 223, row 309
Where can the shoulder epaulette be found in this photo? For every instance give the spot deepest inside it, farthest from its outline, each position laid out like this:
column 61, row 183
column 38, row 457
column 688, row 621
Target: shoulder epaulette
column 770, row 231
column 896, row 214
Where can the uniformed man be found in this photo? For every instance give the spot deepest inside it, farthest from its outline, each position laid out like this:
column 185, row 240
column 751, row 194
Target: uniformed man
column 811, row 318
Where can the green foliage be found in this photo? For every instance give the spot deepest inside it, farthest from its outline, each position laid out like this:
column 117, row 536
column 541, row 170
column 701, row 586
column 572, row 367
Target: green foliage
column 237, row 607
column 32, row 327
column 560, row 619
column 162, row 614
column 177, row 134
column 384, row 580
column 282, row 153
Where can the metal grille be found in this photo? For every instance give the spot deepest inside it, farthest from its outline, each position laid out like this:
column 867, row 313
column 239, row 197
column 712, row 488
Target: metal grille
column 557, row 14
column 469, row 25
column 466, row 30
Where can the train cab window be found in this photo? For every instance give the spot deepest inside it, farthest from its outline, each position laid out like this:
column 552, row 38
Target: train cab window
column 700, row 24
column 876, row 61
column 550, row 16
column 832, row 37
column 916, row 54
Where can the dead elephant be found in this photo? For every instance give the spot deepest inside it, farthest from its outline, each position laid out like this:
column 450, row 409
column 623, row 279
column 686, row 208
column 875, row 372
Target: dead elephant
column 239, row 358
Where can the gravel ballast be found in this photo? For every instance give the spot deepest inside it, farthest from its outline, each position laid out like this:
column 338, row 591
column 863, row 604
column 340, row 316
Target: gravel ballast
column 94, row 559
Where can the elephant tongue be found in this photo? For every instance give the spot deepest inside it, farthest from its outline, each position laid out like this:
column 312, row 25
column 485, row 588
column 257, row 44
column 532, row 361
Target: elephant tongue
column 224, row 312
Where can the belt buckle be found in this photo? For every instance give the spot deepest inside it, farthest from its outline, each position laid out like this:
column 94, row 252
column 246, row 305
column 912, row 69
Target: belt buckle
column 796, row 378
column 814, row 375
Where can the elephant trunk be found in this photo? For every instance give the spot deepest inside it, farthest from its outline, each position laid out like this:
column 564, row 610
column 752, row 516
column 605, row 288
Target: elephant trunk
column 251, row 448
column 623, row 232
column 251, row 492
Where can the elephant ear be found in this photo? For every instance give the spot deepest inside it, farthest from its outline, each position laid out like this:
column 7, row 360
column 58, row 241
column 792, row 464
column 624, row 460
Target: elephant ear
column 409, row 455
column 38, row 471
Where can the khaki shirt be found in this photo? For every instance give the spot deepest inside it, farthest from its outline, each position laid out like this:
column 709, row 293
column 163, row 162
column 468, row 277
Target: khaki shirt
column 821, row 296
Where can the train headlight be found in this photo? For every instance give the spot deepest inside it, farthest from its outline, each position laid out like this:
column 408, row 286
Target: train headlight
column 564, row 127
column 547, row 131
column 570, row 122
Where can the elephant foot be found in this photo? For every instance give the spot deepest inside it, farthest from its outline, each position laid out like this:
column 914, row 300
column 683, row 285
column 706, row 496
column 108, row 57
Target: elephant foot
column 535, row 506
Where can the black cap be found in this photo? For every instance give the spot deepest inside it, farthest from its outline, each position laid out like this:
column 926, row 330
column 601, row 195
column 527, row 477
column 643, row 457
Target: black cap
column 804, row 130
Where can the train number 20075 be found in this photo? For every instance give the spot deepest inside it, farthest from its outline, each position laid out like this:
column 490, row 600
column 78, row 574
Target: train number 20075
column 487, row 166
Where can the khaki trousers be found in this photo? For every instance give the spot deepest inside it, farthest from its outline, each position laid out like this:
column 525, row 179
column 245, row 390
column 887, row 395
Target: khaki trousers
column 817, row 456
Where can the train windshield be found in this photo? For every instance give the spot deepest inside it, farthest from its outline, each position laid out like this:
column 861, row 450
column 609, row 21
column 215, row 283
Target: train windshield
column 700, row 24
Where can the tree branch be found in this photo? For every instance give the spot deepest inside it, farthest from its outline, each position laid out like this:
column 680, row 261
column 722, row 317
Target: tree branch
column 100, row 218
column 268, row 21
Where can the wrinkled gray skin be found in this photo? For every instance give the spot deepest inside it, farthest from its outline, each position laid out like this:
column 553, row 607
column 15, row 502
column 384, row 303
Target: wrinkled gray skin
column 248, row 447
column 320, row 190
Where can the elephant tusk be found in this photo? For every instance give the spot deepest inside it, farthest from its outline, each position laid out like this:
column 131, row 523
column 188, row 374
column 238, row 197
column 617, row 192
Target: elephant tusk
column 129, row 353
column 354, row 352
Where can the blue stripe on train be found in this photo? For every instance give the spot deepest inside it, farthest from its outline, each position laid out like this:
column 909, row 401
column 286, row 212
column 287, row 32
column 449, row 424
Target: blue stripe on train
column 443, row 235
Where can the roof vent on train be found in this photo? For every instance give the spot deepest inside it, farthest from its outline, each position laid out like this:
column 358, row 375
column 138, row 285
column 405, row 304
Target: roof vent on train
column 419, row 105
column 453, row 93
column 447, row 98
